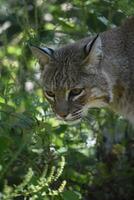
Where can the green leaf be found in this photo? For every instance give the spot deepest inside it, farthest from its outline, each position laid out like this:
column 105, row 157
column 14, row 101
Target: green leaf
column 70, row 195
column 4, row 143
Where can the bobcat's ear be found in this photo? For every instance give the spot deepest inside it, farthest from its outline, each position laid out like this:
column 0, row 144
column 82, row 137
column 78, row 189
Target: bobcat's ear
column 42, row 54
column 93, row 51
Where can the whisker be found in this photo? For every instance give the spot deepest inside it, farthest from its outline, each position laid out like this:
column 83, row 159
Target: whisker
column 89, row 118
column 77, row 112
column 76, row 117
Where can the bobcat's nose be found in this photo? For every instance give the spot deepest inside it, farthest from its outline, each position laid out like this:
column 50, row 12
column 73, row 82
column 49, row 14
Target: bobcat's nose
column 62, row 114
column 62, row 109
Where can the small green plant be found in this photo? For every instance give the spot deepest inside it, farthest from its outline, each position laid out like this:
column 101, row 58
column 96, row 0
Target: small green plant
column 37, row 188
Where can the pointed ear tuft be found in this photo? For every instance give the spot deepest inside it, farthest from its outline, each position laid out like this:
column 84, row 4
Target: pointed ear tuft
column 42, row 54
column 93, row 51
column 48, row 50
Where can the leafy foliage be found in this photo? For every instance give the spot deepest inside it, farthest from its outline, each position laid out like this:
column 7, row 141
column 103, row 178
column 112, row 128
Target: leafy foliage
column 41, row 187
column 99, row 151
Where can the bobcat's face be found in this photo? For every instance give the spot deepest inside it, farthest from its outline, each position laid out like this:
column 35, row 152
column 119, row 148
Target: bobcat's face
column 72, row 79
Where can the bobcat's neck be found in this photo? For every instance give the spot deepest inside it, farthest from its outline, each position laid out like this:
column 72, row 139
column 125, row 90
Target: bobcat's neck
column 118, row 63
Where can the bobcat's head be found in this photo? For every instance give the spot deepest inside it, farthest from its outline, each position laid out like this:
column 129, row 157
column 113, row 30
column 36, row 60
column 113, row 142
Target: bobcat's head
column 73, row 79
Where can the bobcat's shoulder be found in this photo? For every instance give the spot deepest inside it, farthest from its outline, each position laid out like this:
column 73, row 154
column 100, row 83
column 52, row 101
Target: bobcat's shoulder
column 119, row 51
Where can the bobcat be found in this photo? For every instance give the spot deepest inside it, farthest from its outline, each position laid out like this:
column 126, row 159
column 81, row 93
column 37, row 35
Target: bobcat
column 93, row 72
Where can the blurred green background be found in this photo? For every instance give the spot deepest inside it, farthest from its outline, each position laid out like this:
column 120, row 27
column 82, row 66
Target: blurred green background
column 41, row 158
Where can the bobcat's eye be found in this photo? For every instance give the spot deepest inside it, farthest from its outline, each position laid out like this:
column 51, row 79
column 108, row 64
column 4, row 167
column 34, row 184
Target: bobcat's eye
column 76, row 91
column 50, row 94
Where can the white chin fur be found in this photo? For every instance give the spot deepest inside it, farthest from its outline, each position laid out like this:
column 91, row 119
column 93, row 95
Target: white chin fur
column 69, row 120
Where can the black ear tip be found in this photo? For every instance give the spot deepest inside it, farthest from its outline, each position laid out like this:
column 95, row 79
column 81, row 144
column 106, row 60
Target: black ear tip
column 45, row 50
column 51, row 50
column 88, row 47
